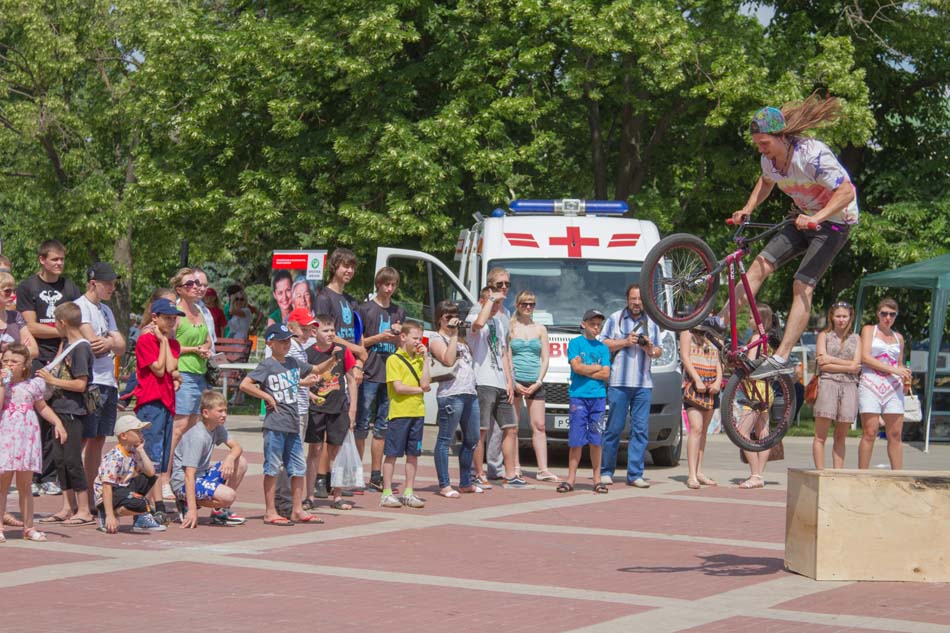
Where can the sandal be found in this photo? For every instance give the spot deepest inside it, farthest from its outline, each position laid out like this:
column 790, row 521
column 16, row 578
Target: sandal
column 754, row 481
column 546, row 475
column 32, row 534
column 473, row 489
column 279, row 521
column 309, row 504
column 3, row 539
column 308, row 518
column 341, row 504
column 706, row 481
column 449, row 493
column 53, row 518
column 566, row 487
column 693, row 484
column 12, row 521
column 76, row 522
column 601, row 489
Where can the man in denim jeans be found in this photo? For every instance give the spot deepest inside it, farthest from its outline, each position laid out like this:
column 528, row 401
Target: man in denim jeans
column 629, row 336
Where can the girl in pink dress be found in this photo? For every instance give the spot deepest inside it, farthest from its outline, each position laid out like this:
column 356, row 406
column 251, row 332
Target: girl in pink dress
column 21, row 452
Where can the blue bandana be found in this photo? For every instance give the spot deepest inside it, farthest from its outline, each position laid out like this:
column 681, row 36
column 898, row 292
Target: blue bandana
column 768, row 120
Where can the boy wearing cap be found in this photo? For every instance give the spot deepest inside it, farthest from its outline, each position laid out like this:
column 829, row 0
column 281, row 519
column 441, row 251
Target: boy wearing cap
column 195, row 480
column 276, row 381
column 100, row 329
column 156, row 361
column 590, row 370
column 125, row 476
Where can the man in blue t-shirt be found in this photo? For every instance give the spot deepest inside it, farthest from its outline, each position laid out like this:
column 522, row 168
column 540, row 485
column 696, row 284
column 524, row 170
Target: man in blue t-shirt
column 590, row 370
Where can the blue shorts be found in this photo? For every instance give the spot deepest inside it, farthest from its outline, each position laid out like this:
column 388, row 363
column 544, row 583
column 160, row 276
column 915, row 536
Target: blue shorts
column 404, row 437
column 158, row 437
column 587, row 422
column 206, row 485
column 283, row 449
column 101, row 422
column 372, row 393
column 188, row 396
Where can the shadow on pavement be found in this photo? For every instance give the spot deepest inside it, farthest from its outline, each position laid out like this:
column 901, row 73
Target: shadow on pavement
column 729, row 565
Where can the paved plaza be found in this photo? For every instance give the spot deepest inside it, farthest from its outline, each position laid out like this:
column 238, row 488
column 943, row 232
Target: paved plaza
column 659, row 560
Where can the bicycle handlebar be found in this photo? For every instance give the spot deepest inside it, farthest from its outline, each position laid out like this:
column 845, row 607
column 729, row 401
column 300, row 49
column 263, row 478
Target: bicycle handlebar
column 811, row 225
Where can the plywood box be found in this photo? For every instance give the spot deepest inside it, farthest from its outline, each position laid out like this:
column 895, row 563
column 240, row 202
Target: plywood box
column 868, row 524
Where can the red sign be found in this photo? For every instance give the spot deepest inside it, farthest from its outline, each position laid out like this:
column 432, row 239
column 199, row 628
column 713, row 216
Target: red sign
column 522, row 239
column 574, row 241
column 624, row 239
column 291, row 261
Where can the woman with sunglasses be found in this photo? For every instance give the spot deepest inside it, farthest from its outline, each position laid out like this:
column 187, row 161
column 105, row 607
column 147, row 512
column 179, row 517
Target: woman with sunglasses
column 457, row 399
column 242, row 316
column 528, row 354
column 838, row 352
column 13, row 327
column 881, row 388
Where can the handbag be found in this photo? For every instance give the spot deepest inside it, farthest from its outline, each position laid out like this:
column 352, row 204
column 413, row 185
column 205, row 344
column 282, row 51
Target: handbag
column 912, row 410
column 212, row 374
column 439, row 372
column 696, row 399
column 811, row 391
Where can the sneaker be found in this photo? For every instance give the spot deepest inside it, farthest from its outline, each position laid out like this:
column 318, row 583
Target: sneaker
column 639, row 482
column 390, row 501
column 167, row 492
column 515, row 482
column 225, row 516
column 51, row 488
column 320, row 491
column 376, row 484
column 412, row 501
column 772, row 367
column 182, row 509
column 145, row 523
column 160, row 517
column 607, row 480
column 35, row 489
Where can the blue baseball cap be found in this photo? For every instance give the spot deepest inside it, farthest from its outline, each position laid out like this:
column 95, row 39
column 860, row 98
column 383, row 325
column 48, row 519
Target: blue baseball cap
column 277, row 332
column 165, row 306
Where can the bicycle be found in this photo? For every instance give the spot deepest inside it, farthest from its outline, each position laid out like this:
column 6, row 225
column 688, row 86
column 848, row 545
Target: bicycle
column 680, row 278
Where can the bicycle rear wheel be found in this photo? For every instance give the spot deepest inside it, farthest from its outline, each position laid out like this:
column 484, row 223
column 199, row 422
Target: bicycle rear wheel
column 756, row 413
column 679, row 294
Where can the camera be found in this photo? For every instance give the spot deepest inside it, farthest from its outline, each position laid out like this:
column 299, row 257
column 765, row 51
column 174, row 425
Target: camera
column 641, row 339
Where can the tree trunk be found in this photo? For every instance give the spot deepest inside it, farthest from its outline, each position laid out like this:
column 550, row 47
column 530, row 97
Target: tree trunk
column 123, row 294
column 598, row 159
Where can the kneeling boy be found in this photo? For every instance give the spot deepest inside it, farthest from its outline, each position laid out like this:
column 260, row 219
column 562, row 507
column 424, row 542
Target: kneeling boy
column 195, row 481
column 126, row 474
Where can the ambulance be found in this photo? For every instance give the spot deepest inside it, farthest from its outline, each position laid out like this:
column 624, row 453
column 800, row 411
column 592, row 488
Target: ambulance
column 573, row 255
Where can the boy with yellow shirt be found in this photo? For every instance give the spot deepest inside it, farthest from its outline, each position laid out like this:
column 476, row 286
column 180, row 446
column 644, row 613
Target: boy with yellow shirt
column 407, row 379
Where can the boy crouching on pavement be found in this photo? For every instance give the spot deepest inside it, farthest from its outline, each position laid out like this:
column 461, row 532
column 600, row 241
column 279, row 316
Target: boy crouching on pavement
column 590, row 370
column 126, row 474
column 276, row 381
column 194, row 480
column 407, row 378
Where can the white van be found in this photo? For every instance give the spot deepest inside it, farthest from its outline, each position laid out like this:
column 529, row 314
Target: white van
column 573, row 255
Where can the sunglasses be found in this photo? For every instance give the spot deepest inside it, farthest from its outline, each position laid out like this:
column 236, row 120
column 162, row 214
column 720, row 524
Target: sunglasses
column 527, row 304
column 887, row 314
column 842, row 304
column 503, row 284
column 240, row 298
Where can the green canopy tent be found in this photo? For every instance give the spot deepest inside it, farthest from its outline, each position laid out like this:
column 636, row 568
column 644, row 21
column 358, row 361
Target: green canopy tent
column 934, row 275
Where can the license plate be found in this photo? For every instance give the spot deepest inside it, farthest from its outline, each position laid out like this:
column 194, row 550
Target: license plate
column 562, row 422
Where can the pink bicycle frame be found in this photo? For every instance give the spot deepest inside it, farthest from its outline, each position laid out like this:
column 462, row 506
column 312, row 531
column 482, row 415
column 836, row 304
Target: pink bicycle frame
column 733, row 262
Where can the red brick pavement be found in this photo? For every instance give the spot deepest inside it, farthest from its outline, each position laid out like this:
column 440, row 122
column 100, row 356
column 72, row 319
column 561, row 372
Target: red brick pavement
column 767, row 625
column 918, row 602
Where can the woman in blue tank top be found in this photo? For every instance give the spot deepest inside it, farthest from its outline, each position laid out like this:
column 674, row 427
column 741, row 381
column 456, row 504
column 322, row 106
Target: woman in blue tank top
column 528, row 353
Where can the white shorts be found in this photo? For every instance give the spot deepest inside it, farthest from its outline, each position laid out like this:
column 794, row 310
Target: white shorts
column 868, row 402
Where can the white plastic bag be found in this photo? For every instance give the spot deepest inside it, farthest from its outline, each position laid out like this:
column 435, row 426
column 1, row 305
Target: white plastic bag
column 912, row 411
column 347, row 469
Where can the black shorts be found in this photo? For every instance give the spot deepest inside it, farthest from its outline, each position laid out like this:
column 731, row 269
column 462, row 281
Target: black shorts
column 537, row 395
column 332, row 426
column 819, row 246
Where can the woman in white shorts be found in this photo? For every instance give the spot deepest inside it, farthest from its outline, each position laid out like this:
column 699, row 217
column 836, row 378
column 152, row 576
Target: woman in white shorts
column 881, row 388
column 838, row 353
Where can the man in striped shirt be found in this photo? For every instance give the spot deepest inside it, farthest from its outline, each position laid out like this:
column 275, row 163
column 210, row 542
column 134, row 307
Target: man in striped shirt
column 629, row 335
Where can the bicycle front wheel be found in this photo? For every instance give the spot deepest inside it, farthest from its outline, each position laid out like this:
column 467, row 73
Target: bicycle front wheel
column 678, row 287
column 756, row 413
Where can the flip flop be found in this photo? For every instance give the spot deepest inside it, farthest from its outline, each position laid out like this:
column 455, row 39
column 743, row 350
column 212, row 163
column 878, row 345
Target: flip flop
column 74, row 522
column 601, row 489
column 450, row 494
column 473, row 489
column 693, row 484
column 11, row 521
column 309, row 519
column 546, row 475
column 566, row 487
column 53, row 518
column 279, row 522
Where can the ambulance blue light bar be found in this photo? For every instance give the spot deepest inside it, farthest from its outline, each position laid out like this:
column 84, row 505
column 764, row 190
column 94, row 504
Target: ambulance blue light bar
column 569, row 206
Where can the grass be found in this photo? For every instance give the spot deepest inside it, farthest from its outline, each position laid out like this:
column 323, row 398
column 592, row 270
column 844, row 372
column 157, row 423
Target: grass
column 806, row 426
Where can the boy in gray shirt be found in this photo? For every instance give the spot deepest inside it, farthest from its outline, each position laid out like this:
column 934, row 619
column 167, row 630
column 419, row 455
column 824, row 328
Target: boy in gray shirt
column 198, row 483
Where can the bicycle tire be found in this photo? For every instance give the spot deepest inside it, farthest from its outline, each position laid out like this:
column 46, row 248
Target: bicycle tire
column 743, row 397
column 690, row 261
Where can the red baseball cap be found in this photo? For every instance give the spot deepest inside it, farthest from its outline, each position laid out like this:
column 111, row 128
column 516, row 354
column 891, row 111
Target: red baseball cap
column 301, row 316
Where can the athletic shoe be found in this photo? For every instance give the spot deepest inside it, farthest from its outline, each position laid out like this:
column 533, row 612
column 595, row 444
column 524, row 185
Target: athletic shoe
column 390, row 501
column 226, row 517
column 772, row 367
column 639, row 482
column 146, row 523
column 412, row 501
column 376, row 484
column 51, row 488
column 167, row 492
column 182, row 509
column 516, row 482
column 320, row 492
column 607, row 480
column 36, row 489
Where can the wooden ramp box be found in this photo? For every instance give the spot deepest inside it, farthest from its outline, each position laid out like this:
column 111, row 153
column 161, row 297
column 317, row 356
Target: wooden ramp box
column 868, row 524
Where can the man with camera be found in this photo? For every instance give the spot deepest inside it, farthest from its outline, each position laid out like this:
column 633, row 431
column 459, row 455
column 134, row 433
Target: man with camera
column 629, row 335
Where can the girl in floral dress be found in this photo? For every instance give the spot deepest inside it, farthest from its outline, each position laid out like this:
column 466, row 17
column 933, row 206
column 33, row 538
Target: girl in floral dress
column 21, row 451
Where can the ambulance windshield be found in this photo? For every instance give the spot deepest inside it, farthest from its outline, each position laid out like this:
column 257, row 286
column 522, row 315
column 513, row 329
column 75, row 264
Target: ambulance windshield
column 566, row 288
